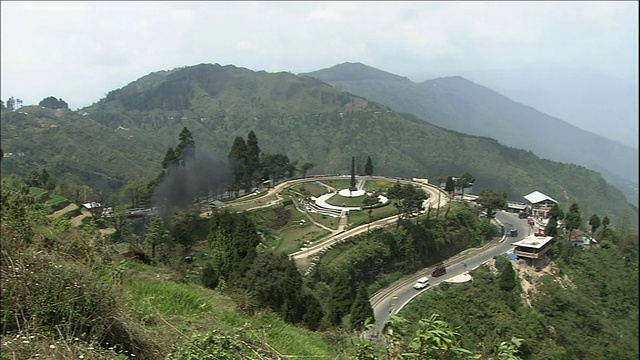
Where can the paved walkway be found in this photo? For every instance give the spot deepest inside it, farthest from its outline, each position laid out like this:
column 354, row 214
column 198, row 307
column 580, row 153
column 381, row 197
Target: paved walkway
column 297, row 206
column 460, row 278
column 344, row 220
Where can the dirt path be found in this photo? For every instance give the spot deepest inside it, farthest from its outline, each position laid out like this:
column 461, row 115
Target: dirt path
column 329, row 187
column 78, row 219
column 107, row 231
column 66, row 209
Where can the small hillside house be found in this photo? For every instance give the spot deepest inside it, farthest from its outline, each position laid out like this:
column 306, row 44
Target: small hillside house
column 540, row 204
column 533, row 247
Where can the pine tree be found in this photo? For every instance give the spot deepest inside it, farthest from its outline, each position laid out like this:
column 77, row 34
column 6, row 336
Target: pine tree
column 341, row 297
column 368, row 167
column 595, row 223
column 156, row 234
column 186, row 148
column 169, row 159
column 252, row 157
column 361, row 309
column 573, row 219
column 237, row 162
column 507, row 278
column 552, row 227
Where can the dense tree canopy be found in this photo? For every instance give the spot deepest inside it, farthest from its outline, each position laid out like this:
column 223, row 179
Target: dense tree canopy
column 408, row 199
column 573, row 219
column 491, row 200
column 53, row 103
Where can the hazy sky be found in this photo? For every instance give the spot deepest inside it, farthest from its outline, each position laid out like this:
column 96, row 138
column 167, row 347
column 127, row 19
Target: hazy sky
column 79, row 51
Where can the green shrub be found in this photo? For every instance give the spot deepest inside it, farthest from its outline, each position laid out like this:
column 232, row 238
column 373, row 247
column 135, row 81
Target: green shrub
column 39, row 195
column 216, row 345
column 54, row 296
column 70, row 214
column 55, row 203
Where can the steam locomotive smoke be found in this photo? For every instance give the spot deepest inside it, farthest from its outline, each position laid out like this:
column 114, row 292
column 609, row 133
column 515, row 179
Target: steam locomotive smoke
column 202, row 176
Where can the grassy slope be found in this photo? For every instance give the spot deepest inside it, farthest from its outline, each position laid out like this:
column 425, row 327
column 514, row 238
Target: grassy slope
column 154, row 304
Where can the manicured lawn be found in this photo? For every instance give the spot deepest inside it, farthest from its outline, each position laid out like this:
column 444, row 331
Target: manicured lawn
column 357, row 218
column 379, row 186
column 339, row 200
column 328, row 221
column 311, row 188
column 338, row 184
column 294, row 236
column 287, row 232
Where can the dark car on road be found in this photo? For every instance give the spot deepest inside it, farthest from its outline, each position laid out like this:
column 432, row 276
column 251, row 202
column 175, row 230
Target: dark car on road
column 439, row 271
column 513, row 232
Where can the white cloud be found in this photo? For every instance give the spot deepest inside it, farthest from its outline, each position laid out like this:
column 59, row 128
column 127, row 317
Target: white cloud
column 81, row 50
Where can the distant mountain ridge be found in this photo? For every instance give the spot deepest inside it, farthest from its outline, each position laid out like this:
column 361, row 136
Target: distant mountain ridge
column 302, row 117
column 458, row 104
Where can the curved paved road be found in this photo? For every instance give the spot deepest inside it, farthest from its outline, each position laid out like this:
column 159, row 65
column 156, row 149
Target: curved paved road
column 393, row 298
column 304, row 255
column 272, row 197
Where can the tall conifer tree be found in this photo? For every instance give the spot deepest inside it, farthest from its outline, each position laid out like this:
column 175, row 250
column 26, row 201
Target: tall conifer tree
column 368, row 167
column 252, row 157
column 361, row 309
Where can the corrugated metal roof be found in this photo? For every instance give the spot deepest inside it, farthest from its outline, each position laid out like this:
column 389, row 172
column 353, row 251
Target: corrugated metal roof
column 518, row 206
column 536, row 197
column 91, row 205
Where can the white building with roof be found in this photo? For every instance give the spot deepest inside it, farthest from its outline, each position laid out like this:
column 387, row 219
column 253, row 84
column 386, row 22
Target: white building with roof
column 540, row 204
column 91, row 205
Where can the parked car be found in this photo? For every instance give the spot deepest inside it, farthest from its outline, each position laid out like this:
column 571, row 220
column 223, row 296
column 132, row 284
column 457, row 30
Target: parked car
column 523, row 215
column 422, row 283
column 439, row 271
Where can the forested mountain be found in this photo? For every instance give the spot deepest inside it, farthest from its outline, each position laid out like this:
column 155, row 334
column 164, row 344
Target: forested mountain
column 127, row 133
column 458, row 104
column 70, row 145
column 240, row 297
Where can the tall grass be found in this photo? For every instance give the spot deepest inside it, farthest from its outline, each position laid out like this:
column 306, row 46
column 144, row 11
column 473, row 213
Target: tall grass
column 293, row 341
column 170, row 298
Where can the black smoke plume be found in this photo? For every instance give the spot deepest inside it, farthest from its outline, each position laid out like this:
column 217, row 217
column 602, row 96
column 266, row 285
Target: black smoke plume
column 201, row 177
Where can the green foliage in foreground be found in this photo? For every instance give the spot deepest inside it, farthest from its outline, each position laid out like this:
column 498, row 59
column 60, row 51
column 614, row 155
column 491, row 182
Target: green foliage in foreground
column 430, row 338
column 121, row 308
